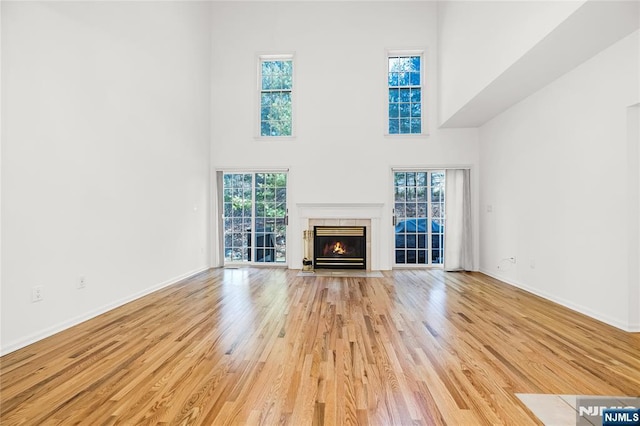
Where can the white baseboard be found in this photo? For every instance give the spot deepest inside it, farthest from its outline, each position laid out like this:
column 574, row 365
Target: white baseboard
column 50, row 331
column 566, row 303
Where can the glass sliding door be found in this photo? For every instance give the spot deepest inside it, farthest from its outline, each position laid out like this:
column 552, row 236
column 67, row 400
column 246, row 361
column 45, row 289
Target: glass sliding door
column 270, row 217
column 238, row 218
column 436, row 203
column 419, row 217
column 255, row 209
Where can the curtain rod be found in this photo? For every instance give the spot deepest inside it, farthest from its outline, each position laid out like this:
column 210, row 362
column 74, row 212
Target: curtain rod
column 420, row 168
column 251, row 170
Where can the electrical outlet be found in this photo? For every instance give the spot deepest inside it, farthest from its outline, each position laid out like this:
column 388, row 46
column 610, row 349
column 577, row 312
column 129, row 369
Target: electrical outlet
column 36, row 294
column 82, row 282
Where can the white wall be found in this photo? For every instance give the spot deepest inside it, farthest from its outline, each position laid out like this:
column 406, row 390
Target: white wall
column 340, row 153
column 105, row 153
column 633, row 159
column 479, row 40
column 556, row 174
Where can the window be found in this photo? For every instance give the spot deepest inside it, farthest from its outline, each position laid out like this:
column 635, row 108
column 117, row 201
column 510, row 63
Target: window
column 419, row 217
column 255, row 210
column 404, row 79
column 276, row 95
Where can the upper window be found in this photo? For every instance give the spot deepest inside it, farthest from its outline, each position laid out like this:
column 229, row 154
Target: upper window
column 404, row 79
column 276, row 90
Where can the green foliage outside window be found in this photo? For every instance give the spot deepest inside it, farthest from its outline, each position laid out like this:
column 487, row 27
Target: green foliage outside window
column 275, row 98
column 255, row 231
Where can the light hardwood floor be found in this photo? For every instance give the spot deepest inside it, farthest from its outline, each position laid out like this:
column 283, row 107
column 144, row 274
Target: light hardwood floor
column 264, row 346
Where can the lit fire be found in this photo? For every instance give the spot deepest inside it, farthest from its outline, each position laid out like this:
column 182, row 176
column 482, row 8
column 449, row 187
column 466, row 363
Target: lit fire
column 339, row 248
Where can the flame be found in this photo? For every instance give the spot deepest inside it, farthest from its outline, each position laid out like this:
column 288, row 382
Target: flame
column 339, row 248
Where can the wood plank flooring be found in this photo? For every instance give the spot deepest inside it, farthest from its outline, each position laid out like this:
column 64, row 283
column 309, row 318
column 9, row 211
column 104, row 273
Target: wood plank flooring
column 263, row 346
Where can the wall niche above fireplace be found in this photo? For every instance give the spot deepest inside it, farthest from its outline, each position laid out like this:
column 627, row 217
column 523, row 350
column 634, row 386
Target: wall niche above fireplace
column 340, row 247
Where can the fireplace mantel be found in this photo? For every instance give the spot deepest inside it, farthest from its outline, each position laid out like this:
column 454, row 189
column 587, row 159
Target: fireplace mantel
column 370, row 212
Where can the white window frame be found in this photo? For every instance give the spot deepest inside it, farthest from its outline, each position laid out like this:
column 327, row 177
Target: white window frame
column 253, row 219
column 423, row 92
column 260, row 58
column 428, row 218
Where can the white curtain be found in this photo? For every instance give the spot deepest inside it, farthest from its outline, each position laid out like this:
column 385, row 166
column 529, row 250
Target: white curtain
column 458, row 244
column 217, row 236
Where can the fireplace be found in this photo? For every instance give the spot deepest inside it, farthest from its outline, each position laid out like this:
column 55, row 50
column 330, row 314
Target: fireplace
column 368, row 215
column 340, row 247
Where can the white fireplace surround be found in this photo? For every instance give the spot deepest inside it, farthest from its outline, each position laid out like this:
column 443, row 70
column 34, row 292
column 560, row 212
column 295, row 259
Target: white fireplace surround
column 370, row 212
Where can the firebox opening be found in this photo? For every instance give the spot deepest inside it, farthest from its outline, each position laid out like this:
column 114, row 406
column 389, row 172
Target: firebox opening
column 340, row 247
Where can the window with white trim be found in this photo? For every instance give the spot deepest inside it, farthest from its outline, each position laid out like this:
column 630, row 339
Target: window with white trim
column 255, row 217
column 276, row 95
column 419, row 217
column 405, row 92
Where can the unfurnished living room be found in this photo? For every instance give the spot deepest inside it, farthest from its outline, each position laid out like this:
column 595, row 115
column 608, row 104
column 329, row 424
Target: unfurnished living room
column 320, row 212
